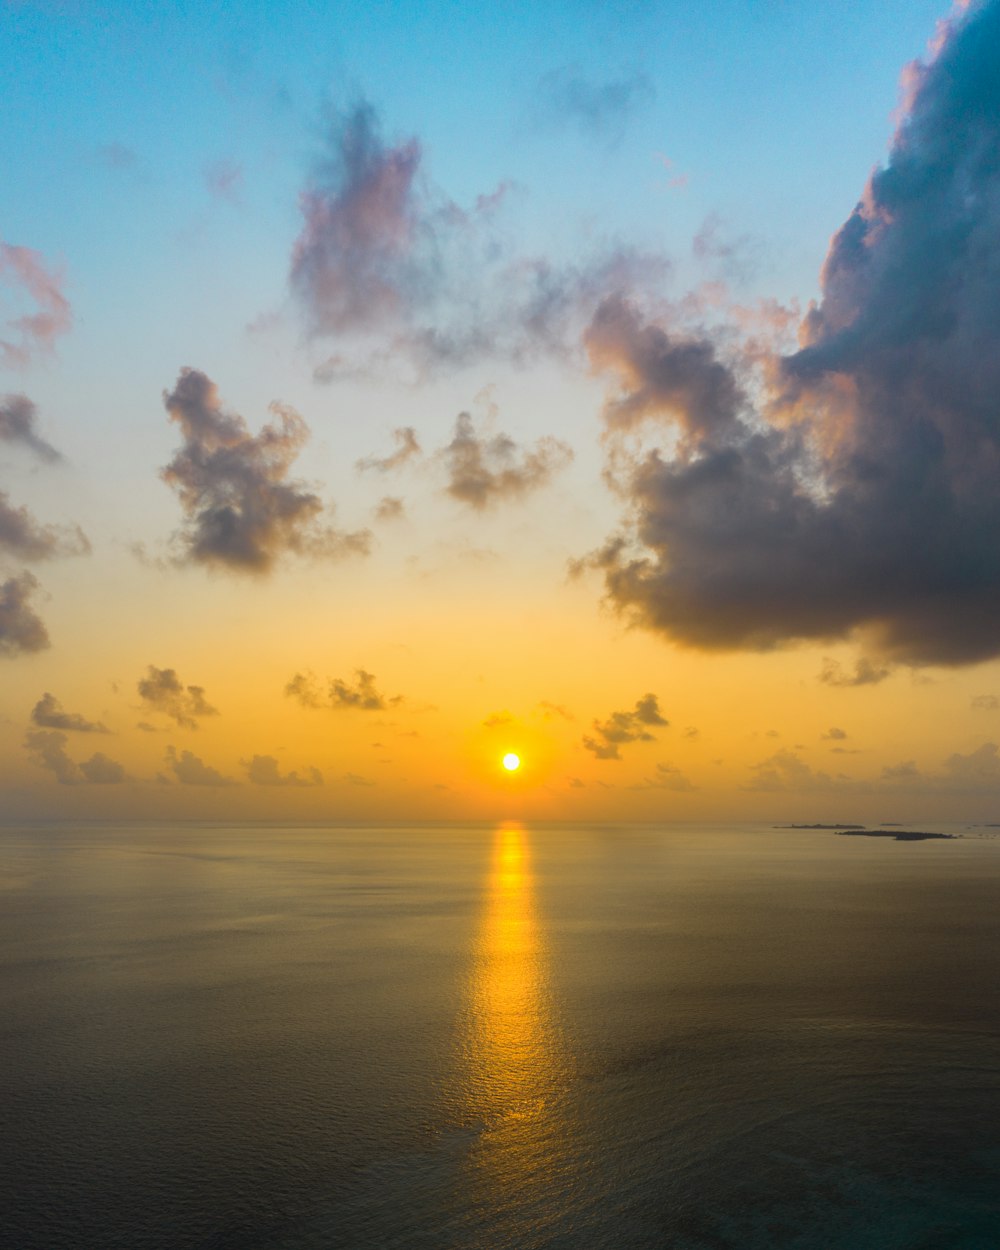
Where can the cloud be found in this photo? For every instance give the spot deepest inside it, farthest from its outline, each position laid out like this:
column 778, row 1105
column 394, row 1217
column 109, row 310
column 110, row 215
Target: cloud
column 21, row 629
column 362, row 695
column 981, row 765
column 850, row 487
column 565, row 98
column 27, row 539
column 48, row 713
column 390, row 508
column 786, row 771
column 483, row 471
column 117, row 156
column 192, row 771
column 393, row 269
column 834, row 735
column 550, row 710
column 240, row 512
column 263, row 771
column 866, row 673
column 408, row 448
column 224, row 180
column 623, row 727
column 985, row 702
column 355, row 779
column 18, row 424
column 669, row 777
column 33, row 333
column 48, row 749
column 905, row 771
column 163, row 691
column 496, row 720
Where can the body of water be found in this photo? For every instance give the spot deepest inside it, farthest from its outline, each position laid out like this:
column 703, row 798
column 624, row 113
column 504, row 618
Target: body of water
column 498, row 1037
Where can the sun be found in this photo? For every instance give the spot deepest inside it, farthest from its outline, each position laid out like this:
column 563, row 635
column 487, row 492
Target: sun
column 512, row 762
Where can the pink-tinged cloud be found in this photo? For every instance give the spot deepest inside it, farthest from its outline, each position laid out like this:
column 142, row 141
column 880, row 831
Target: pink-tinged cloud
column 34, row 333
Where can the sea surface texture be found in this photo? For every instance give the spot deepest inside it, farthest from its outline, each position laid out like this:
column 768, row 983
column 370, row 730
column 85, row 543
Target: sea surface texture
column 509, row 1036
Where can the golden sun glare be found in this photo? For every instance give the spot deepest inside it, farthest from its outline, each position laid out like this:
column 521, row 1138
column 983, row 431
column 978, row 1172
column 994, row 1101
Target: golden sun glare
column 511, row 762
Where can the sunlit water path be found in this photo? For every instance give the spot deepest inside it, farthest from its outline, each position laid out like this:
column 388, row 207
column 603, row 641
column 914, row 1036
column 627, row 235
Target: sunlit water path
column 498, row 1037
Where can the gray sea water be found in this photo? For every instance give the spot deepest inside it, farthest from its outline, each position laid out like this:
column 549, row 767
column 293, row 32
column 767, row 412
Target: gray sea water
column 491, row 1037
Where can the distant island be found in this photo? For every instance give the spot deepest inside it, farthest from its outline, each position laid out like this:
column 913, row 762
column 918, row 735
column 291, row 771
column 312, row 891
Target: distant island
column 897, row 835
column 839, row 827
column 888, row 829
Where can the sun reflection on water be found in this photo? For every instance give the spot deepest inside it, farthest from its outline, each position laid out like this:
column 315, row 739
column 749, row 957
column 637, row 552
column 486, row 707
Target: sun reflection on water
column 514, row 1065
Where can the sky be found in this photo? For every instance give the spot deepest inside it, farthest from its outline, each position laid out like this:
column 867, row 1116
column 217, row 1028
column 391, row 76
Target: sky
column 387, row 388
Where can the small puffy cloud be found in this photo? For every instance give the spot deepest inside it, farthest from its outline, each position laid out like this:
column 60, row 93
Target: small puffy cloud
column 190, row 770
column 390, row 508
column 981, row 765
column 407, row 448
column 361, row 694
column 484, row 470
column 623, row 727
column 263, row 770
column 161, row 690
column 26, row 538
column 866, row 673
column 833, row 735
column 496, row 719
column 240, row 511
column 906, row 771
column 48, row 713
column 566, row 98
column 786, row 771
column 669, row 777
column 25, row 272
column 985, row 703
column 551, row 710
column 19, row 425
column 47, row 747
column 21, row 629
column 99, row 770
column 355, row 779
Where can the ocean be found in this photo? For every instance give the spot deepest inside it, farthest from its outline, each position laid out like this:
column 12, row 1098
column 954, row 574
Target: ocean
column 500, row 1036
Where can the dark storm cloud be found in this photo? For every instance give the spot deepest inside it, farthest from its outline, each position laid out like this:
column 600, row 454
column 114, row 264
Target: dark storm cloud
column 19, row 425
column 190, row 770
column 21, row 629
column 163, row 691
column 361, row 694
column 388, row 261
column 47, row 747
column 241, row 513
column 623, row 727
column 407, row 448
column 48, row 713
column 564, row 97
column 26, row 538
column 484, row 470
column 851, row 487
column 263, row 770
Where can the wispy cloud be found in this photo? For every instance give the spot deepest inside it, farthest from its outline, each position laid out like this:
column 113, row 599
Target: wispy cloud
column 360, row 695
column 34, row 333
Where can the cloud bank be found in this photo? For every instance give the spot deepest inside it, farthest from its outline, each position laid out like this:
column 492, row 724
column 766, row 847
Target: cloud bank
column 849, row 488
